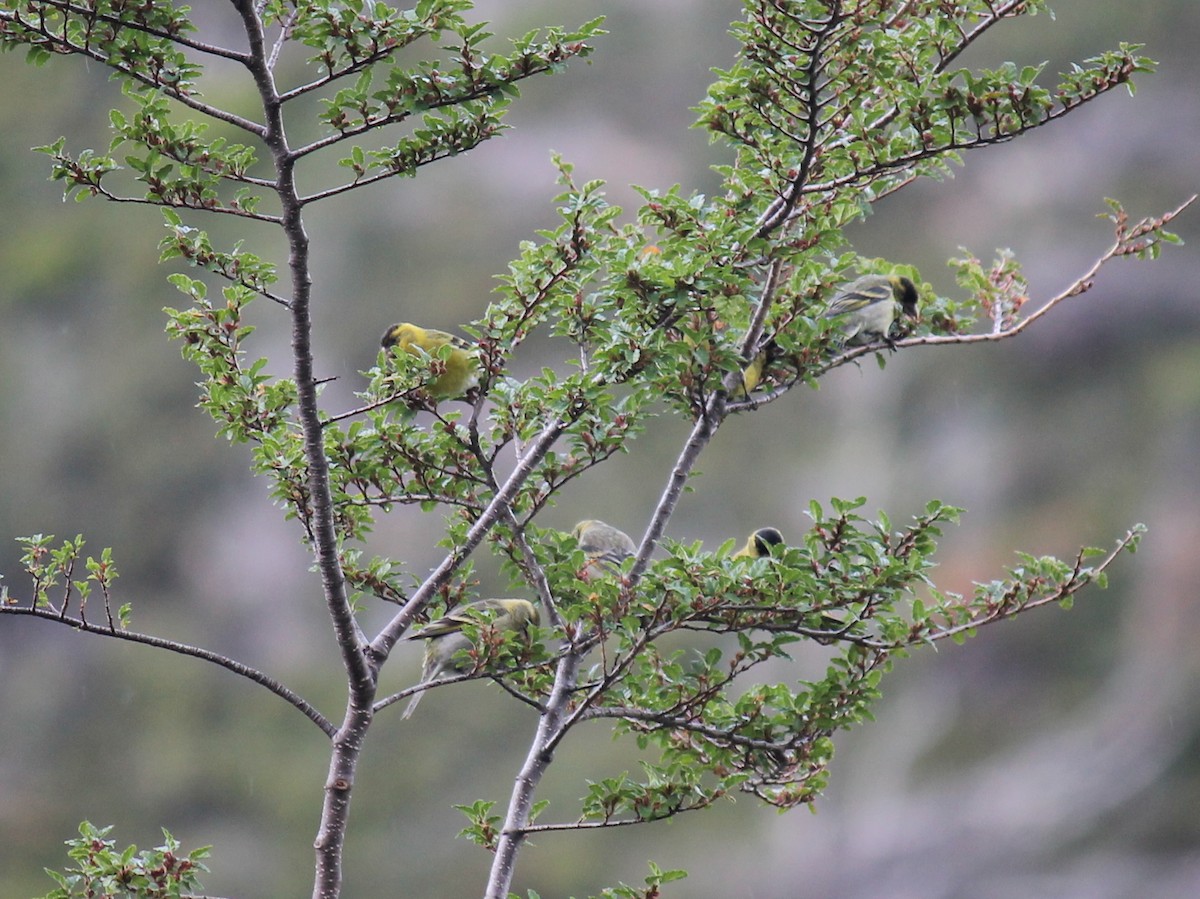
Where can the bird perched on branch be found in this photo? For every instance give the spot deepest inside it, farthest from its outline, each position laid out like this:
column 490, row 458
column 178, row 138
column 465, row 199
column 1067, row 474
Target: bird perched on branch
column 602, row 544
column 454, row 375
column 446, row 638
column 758, row 545
column 868, row 307
column 753, row 372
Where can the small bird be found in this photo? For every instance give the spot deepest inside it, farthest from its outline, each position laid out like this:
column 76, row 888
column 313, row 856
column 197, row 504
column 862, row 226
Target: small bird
column 459, row 372
column 753, row 372
column 446, row 638
column 759, row 544
column 868, row 305
column 602, row 544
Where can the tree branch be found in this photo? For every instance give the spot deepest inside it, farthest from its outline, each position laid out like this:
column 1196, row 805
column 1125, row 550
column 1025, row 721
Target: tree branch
column 520, row 804
column 162, row 202
column 383, row 643
column 1082, row 284
column 781, row 208
column 703, row 430
column 1076, row 582
column 621, row 822
column 1006, row 10
column 90, row 12
column 65, row 46
column 253, row 674
column 347, row 742
column 664, row 721
column 285, row 31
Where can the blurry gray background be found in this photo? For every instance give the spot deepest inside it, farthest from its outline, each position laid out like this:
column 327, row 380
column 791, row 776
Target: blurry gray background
column 1052, row 756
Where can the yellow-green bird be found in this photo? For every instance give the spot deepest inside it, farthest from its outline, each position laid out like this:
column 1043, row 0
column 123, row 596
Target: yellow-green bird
column 446, row 638
column 868, row 307
column 458, row 373
column 759, row 544
column 753, row 372
column 604, row 545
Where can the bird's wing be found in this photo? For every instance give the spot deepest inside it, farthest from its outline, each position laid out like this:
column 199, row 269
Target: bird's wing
column 859, row 294
column 441, row 338
column 453, row 620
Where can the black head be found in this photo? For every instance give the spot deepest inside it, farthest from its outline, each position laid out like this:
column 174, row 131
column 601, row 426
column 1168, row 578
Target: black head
column 906, row 294
column 391, row 336
column 764, row 539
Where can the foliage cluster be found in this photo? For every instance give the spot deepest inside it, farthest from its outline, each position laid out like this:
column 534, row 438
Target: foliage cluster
column 830, row 106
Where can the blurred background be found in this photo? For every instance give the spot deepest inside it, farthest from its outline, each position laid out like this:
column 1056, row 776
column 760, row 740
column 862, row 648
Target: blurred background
column 1051, row 756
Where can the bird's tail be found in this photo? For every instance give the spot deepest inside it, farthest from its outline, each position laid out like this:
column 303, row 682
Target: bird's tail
column 412, row 704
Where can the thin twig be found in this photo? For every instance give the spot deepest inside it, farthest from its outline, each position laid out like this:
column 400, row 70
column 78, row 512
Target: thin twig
column 93, row 14
column 780, row 210
column 186, row 649
column 620, row 822
column 391, row 633
column 173, row 92
column 285, row 32
column 163, row 202
column 1080, row 285
column 1072, row 585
